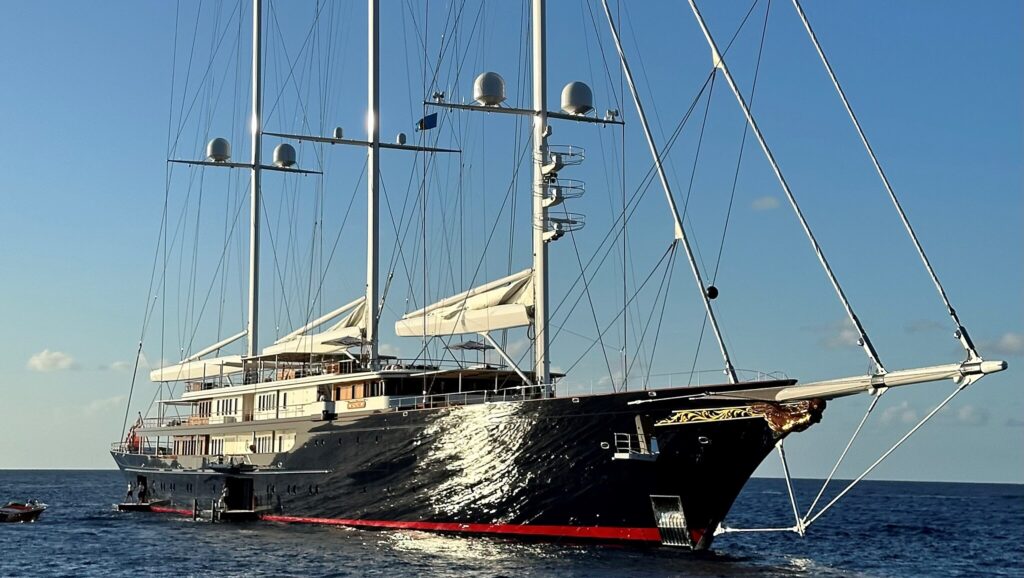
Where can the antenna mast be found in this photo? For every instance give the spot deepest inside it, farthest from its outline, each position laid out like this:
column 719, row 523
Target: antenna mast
column 373, row 183
column 541, row 360
column 254, row 189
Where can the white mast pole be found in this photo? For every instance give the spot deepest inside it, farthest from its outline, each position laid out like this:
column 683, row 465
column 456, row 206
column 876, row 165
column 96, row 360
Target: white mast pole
column 252, row 344
column 541, row 361
column 680, row 232
column 961, row 332
column 373, row 183
column 719, row 62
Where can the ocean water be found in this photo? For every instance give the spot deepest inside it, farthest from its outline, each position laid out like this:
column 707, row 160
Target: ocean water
column 882, row 529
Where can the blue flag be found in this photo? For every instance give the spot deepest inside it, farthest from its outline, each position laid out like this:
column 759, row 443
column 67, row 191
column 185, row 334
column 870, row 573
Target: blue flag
column 428, row 122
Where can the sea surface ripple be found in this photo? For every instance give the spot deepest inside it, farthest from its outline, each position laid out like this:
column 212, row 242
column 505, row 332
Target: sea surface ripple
column 883, row 529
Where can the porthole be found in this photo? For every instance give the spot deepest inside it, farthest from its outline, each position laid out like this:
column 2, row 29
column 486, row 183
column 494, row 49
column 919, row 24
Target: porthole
column 605, row 445
column 703, row 440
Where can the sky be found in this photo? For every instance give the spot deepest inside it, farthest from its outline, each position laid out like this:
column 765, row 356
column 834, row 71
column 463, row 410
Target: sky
column 94, row 99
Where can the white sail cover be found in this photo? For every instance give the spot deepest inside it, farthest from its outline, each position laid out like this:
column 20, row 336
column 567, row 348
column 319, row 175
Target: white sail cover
column 353, row 325
column 193, row 367
column 500, row 304
column 196, row 369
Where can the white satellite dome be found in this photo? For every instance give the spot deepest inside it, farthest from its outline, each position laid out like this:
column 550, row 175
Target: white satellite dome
column 218, row 150
column 489, row 89
column 577, row 98
column 284, row 155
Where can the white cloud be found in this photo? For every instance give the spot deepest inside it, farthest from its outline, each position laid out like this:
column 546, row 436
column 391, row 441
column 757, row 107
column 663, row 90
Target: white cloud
column 901, row 413
column 47, row 361
column 104, row 406
column 765, row 203
column 967, row 415
column 1009, row 343
column 972, row 415
column 923, row 326
column 838, row 334
column 119, row 366
column 388, row 349
column 516, row 348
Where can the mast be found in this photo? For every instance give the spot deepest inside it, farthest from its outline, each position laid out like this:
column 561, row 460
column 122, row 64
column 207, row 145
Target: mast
column 541, row 361
column 252, row 343
column 373, row 183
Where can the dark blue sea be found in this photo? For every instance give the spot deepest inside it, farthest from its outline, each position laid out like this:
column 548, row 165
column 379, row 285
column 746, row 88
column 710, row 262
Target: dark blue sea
column 882, row 529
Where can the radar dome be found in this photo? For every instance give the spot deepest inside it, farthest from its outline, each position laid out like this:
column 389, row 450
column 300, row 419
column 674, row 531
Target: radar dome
column 219, row 150
column 577, row 98
column 489, row 89
column 339, row 133
column 284, row 155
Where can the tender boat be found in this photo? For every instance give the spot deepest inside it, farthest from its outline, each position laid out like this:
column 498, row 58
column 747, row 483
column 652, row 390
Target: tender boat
column 22, row 511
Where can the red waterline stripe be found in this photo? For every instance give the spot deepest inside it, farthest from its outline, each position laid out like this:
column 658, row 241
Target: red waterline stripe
column 163, row 510
column 591, row 532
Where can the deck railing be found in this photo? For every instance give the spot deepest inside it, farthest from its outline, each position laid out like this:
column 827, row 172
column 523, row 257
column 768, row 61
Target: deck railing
column 466, row 397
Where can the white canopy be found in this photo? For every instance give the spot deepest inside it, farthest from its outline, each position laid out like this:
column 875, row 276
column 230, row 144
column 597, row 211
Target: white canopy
column 189, row 370
column 500, row 304
column 351, row 326
column 193, row 367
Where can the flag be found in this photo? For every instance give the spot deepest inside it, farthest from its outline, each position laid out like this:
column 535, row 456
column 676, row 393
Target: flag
column 428, row 122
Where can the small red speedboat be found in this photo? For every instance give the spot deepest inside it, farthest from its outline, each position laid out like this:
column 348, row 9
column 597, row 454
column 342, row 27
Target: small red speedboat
column 22, row 511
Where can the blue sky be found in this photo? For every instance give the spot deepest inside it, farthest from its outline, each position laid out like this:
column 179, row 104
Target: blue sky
column 86, row 93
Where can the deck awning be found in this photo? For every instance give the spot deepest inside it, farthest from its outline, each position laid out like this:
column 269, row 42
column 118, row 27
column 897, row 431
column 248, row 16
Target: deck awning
column 337, row 338
column 198, row 369
column 500, row 304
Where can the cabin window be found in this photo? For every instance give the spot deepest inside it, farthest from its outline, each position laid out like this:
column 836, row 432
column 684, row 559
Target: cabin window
column 227, row 406
column 264, row 444
column 203, row 408
column 266, row 402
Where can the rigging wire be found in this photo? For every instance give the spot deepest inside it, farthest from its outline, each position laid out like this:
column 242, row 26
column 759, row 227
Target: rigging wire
column 590, row 301
column 638, row 291
column 735, row 181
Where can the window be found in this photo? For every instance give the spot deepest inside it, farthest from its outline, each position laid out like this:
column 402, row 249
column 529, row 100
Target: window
column 227, row 406
column 266, row 402
column 264, row 444
column 217, row 446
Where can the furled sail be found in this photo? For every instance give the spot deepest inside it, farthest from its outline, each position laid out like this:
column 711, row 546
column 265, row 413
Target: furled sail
column 500, row 304
column 336, row 338
column 198, row 369
column 193, row 367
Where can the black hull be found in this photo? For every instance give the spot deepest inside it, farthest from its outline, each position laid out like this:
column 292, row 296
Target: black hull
column 544, row 468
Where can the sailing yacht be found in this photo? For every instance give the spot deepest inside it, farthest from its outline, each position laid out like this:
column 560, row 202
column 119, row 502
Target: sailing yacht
column 321, row 427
